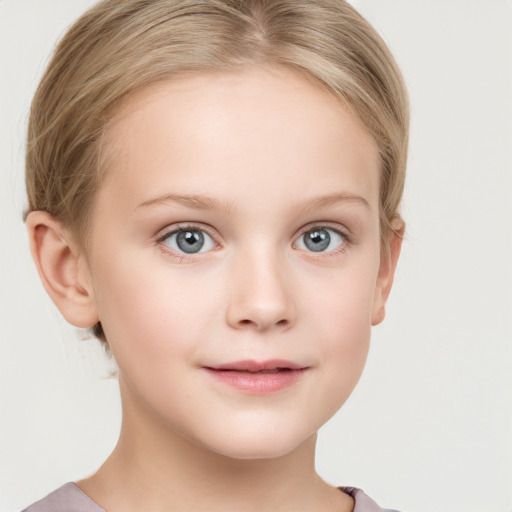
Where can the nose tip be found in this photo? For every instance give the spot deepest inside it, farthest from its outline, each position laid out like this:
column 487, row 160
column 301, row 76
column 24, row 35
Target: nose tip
column 261, row 299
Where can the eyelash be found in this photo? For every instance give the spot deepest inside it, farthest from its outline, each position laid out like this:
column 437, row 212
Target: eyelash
column 347, row 240
column 181, row 257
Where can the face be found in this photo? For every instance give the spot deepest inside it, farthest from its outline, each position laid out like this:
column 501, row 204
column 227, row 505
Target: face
column 234, row 258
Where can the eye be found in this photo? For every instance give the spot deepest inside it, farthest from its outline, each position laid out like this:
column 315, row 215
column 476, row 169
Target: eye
column 320, row 240
column 189, row 241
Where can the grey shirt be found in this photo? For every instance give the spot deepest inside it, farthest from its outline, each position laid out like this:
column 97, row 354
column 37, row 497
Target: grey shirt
column 69, row 498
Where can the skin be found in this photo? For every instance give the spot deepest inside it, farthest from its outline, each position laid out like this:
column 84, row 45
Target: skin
column 264, row 146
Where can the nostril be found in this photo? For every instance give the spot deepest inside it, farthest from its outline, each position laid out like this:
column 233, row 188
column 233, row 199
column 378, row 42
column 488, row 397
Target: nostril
column 280, row 323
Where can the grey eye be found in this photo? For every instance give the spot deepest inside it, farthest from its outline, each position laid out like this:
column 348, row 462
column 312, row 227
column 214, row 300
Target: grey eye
column 189, row 241
column 320, row 240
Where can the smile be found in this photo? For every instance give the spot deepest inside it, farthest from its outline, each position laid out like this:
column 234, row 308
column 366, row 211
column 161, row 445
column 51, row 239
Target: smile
column 257, row 377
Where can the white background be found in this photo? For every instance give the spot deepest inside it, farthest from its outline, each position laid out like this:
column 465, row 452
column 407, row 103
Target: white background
column 429, row 426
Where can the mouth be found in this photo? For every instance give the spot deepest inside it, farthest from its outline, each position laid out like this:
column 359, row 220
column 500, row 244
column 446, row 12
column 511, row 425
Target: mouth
column 257, row 377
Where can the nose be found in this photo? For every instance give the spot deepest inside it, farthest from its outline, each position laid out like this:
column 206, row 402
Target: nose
column 261, row 298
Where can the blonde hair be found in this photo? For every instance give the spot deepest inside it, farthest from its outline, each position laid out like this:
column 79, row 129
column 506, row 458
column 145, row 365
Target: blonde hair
column 121, row 46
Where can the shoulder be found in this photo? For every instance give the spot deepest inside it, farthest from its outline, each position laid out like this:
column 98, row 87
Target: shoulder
column 363, row 503
column 68, row 498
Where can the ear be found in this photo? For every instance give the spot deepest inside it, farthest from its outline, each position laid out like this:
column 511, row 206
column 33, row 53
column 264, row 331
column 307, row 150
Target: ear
column 62, row 267
column 387, row 268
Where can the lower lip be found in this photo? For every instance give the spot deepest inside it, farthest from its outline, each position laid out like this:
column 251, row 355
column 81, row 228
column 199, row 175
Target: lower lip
column 257, row 382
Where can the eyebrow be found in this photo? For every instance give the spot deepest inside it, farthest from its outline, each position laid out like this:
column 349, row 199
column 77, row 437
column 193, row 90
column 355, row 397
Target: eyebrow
column 325, row 201
column 197, row 202
column 204, row 202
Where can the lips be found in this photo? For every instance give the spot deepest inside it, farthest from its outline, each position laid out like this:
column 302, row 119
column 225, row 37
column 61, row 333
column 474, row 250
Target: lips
column 273, row 365
column 257, row 377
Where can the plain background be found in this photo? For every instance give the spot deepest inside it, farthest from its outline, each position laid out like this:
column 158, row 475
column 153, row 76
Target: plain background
column 429, row 426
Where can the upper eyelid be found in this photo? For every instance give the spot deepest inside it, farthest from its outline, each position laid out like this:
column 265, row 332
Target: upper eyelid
column 183, row 226
column 182, row 256
column 345, row 232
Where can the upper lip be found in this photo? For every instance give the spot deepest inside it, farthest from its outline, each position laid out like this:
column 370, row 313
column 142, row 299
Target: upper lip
column 258, row 366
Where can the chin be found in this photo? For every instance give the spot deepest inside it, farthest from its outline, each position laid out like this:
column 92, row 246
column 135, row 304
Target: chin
column 262, row 444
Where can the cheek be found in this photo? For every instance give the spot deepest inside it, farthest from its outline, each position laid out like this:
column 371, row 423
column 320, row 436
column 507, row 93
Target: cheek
column 343, row 303
column 342, row 324
column 150, row 311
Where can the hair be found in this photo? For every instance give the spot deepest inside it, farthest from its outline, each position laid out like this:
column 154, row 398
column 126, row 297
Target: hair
column 119, row 47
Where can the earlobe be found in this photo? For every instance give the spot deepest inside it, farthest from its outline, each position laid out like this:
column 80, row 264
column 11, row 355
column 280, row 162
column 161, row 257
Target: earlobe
column 387, row 271
column 62, row 269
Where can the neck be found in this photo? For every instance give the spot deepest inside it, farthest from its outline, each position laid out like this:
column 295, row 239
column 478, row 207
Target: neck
column 155, row 469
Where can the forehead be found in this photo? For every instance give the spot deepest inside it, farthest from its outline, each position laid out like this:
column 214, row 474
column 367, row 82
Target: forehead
column 256, row 132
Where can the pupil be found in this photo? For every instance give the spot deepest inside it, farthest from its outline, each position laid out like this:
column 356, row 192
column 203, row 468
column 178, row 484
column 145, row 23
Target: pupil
column 190, row 241
column 317, row 240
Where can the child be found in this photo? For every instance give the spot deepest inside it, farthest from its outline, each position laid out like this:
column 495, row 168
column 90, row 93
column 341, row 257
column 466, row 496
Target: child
column 214, row 189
